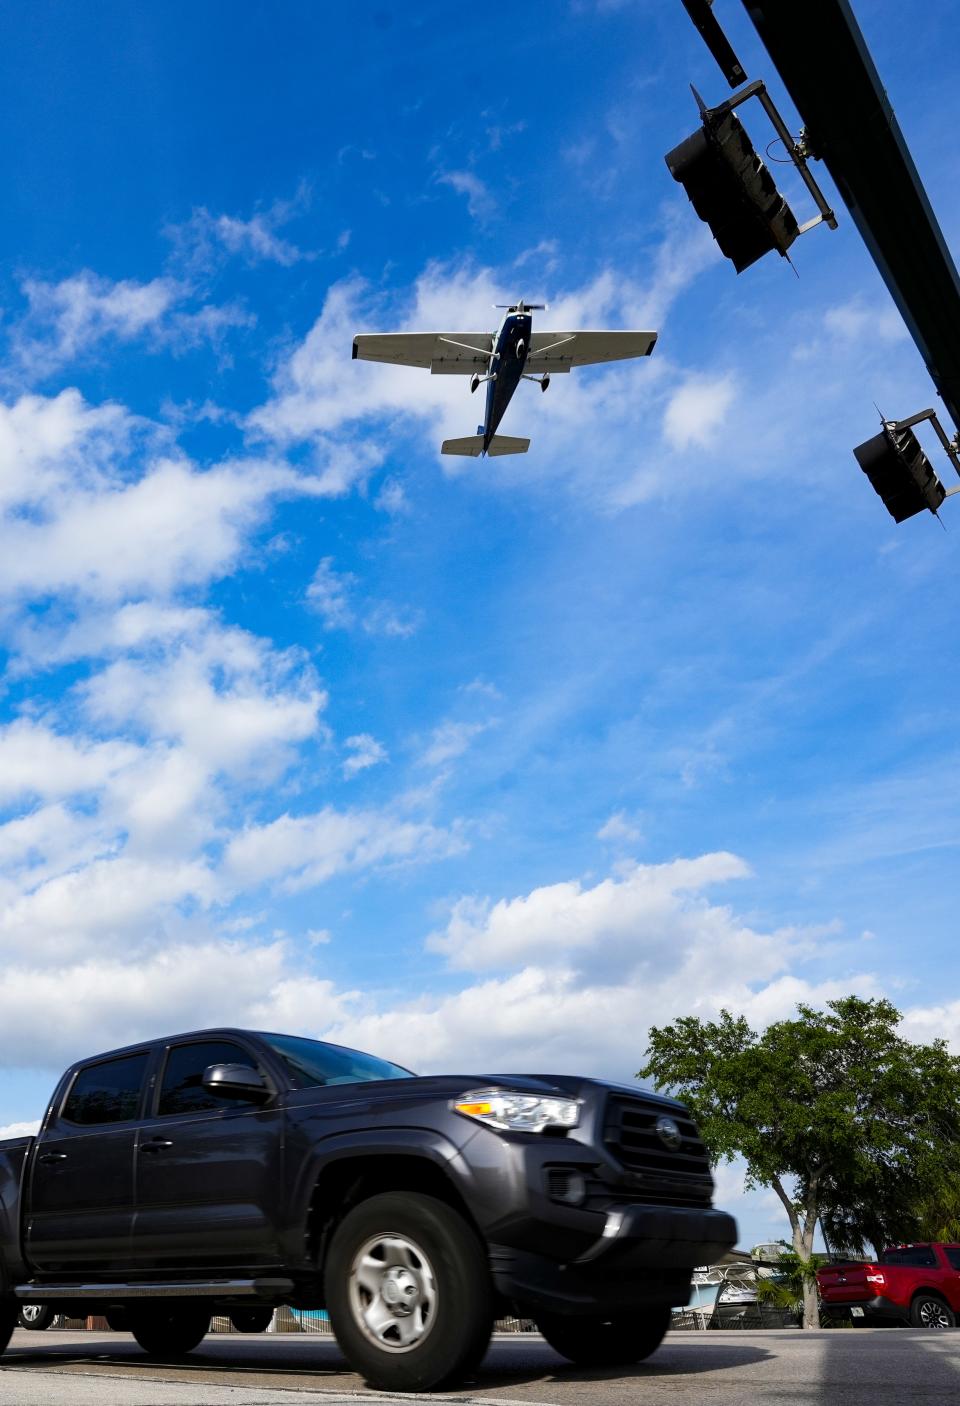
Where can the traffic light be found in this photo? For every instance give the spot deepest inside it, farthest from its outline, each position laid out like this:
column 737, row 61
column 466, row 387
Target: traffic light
column 732, row 191
column 900, row 471
column 730, row 187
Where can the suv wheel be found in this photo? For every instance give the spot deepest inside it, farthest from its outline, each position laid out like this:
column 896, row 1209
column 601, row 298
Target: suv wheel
column 929, row 1311
column 408, row 1292
column 35, row 1316
column 169, row 1332
column 606, row 1342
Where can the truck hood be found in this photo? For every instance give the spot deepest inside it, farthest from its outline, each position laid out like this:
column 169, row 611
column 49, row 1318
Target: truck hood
column 546, row 1085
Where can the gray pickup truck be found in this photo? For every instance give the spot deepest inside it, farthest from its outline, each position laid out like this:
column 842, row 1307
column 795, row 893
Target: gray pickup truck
column 231, row 1171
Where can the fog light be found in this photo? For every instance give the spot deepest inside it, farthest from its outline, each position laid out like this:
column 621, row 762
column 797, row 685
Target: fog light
column 567, row 1187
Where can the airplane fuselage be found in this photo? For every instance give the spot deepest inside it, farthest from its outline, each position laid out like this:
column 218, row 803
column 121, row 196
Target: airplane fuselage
column 510, row 349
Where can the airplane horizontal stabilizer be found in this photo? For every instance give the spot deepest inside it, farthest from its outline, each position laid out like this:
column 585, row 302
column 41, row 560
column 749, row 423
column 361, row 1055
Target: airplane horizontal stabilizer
column 471, row 445
column 508, row 444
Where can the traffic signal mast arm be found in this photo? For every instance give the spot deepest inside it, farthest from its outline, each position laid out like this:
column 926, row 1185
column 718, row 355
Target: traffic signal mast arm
column 825, row 64
column 795, row 150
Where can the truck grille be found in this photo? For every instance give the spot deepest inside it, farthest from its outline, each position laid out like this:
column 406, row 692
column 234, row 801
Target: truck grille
column 681, row 1174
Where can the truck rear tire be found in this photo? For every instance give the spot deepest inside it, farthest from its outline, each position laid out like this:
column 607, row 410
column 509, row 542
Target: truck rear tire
column 35, row 1317
column 409, row 1293
column 606, row 1342
column 168, row 1332
column 251, row 1320
column 930, row 1311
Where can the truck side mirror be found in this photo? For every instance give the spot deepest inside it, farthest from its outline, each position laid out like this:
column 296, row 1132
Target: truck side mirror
column 235, row 1081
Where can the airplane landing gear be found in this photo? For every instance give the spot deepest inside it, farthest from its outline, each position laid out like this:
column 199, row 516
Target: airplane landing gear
column 474, row 381
column 544, row 382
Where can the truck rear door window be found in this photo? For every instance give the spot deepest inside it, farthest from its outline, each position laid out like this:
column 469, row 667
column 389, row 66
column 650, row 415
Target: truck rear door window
column 106, row 1093
column 920, row 1256
column 952, row 1253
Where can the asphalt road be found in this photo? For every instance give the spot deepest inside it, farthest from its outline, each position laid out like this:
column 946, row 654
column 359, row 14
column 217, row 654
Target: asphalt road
column 729, row 1369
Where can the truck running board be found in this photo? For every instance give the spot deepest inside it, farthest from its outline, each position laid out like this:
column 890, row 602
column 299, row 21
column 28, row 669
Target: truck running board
column 192, row 1289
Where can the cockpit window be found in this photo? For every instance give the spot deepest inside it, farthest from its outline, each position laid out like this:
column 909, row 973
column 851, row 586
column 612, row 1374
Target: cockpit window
column 315, row 1064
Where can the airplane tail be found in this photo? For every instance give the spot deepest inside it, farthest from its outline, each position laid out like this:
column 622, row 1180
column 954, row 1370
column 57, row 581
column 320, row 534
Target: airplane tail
column 472, row 445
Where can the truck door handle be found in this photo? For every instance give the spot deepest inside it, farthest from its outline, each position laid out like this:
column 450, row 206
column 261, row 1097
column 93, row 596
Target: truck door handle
column 54, row 1157
column 155, row 1144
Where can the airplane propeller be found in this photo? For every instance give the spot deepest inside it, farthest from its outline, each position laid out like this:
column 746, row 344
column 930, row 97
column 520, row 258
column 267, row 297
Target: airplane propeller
column 522, row 307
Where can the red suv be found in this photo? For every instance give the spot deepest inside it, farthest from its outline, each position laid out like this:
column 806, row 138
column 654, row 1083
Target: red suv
column 916, row 1284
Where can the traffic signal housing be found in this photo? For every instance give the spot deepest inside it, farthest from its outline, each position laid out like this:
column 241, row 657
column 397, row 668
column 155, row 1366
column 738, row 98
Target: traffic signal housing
column 901, row 473
column 733, row 191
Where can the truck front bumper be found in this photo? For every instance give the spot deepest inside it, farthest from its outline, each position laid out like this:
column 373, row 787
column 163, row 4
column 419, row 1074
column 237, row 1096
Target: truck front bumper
column 644, row 1255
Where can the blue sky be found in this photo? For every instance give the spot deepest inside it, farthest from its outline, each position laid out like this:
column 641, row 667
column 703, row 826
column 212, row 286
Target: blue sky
column 478, row 765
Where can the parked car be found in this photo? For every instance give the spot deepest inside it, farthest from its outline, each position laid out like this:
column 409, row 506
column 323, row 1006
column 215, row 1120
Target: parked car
column 227, row 1170
column 915, row 1284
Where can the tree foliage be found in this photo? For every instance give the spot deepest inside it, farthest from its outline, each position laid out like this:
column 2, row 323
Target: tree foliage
column 837, row 1112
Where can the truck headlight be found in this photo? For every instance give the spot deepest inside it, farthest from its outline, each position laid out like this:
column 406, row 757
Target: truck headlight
column 517, row 1112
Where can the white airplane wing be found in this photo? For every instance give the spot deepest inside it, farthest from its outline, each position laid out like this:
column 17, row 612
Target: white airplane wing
column 446, row 353
column 561, row 351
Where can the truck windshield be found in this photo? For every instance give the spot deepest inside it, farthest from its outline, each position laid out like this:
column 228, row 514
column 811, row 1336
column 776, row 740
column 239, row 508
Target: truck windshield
column 312, row 1063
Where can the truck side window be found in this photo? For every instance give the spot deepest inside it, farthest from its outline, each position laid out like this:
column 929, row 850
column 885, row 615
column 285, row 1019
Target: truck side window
column 919, row 1256
column 952, row 1253
column 182, row 1089
column 106, row 1093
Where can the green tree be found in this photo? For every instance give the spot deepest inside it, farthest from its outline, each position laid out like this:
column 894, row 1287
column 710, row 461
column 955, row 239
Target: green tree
column 834, row 1110
column 785, row 1288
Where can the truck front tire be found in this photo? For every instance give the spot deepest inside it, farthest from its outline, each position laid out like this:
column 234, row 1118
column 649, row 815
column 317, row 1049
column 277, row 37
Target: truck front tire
column 168, row 1332
column 606, row 1342
column 9, row 1310
column 409, row 1293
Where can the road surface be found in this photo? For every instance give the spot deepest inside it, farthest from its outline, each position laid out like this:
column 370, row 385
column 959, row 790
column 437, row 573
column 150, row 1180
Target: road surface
column 787, row 1368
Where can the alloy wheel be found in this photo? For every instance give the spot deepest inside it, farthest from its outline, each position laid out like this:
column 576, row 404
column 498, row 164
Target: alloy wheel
column 932, row 1314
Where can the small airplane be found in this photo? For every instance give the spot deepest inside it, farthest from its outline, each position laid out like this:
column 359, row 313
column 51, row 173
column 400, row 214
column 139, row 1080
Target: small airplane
column 500, row 361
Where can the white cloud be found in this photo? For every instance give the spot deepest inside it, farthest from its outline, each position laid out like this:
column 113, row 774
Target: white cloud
column 11, row 1130
column 618, row 830
column 66, row 321
column 102, row 1002
column 88, row 506
column 934, row 1022
column 394, row 622
column 481, row 203
column 106, row 905
column 48, row 445
column 449, row 740
column 697, row 410
column 255, row 240
column 856, row 319
column 366, row 752
column 329, row 595
column 36, row 761
column 392, row 498
column 633, row 919
column 227, row 698
column 306, row 850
